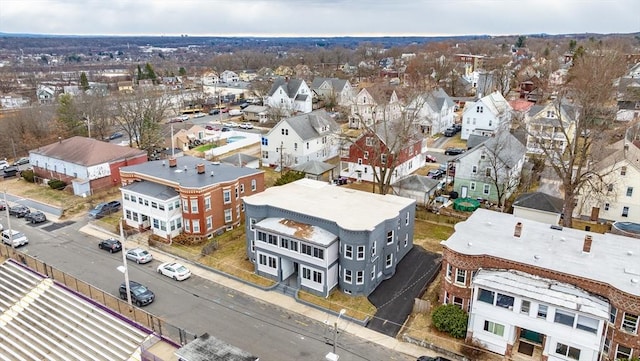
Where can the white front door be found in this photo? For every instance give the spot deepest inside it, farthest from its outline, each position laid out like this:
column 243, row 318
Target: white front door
column 465, row 191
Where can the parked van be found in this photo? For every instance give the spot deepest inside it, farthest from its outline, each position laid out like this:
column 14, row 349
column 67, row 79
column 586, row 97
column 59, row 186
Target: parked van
column 18, row 238
column 235, row 112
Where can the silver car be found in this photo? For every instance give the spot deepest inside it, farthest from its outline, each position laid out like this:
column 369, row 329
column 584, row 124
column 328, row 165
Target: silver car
column 139, row 255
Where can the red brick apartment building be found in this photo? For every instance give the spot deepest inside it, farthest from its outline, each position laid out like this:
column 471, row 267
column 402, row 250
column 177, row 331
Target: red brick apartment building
column 536, row 291
column 186, row 195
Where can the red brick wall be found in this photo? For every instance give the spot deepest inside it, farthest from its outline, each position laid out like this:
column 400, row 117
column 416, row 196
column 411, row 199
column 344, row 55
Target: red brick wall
column 622, row 301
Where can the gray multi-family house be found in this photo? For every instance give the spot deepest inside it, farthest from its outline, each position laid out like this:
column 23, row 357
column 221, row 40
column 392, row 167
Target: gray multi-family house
column 315, row 236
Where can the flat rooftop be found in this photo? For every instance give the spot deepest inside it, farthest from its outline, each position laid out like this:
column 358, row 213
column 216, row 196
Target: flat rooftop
column 298, row 230
column 613, row 259
column 350, row 209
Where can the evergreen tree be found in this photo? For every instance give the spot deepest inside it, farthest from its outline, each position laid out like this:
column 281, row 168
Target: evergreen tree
column 84, row 82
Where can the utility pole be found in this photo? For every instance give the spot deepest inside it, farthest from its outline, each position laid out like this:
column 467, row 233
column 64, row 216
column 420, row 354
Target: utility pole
column 333, row 356
column 6, row 208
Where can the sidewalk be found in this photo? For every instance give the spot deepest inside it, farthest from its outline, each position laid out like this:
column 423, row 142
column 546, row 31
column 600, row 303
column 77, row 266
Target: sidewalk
column 275, row 298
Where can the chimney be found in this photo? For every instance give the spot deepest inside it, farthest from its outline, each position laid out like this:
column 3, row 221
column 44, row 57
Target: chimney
column 200, row 168
column 586, row 247
column 518, row 230
column 173, row 163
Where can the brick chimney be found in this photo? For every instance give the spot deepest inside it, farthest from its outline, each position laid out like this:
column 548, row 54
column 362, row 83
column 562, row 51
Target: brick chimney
column 518, row 230
column 200, row 168
column 173, row 163
column 586, row 246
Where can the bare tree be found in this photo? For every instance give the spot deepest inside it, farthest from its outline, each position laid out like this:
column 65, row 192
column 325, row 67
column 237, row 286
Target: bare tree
column 139, row 115
column 583, row 125
column 97, row 112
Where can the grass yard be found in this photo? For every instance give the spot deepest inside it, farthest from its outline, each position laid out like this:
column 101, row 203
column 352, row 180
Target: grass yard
column 357, row 307
column 205, row 147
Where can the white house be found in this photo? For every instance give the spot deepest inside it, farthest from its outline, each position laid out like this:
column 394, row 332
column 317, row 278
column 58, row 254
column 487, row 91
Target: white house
column 210, row 78
column 12, row 101
column 229, row 77
column 373, row 105
column 290, row 95
column 300, row 139
column 538, row 206
column 550, row 126
column 333, row 90
column 45, row 94
column 486, row 116
column 433, row 111
column 618, row 196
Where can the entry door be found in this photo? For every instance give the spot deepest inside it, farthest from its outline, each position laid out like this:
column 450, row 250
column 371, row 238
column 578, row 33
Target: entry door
column 465, row 191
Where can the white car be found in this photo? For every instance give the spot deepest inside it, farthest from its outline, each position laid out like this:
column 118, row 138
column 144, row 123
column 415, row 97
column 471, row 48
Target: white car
column 230, row 124
column 174, row 270
column 184, row 118
column 246, row 126
column 139, row 255
column 199, row 115
column 15, row 238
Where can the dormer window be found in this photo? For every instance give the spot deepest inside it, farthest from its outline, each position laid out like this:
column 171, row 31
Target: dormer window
column 479, row 109
column 551, row 114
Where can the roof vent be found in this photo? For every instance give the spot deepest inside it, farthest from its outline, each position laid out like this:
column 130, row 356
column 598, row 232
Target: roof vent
column 629, row 253
column 215, row 163
column 212, row 173
column 185, row 168
column 163, row 163
column 556, row 227
column 635, row 280
column 469, row 244
column 536, row 257
column 173, row 163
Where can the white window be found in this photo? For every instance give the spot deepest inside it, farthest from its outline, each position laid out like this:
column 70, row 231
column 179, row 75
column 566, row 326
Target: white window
column 373, row 272
column 207, row 203
column 241, row 188
column 366, row 156
column 542, row 311
column 348, row 251
column 196, row 226
column 187, row 225
column 587, row 324
column 450, row 271
column 472, row 186
column 495, row 328
column 487, row 172
column 383, row 158
column 348, row 277
column 360, row 277
column 209, row 222
column 194, row 205
column 252, row 223
column 564, row 317
column 406, row 239
column 568, row 351
column 486, row 296
column 623, row 352
column 185, row 205
column 373, row 249
column 485, row 189
column 474, row 169
column 525, row 306
column 389, row 261
column 317, row 277
column 389, row 237
column 630, row 322
column 461, row 276
column 226, row 196
column 625, row 211
column 360, row 253
column 253, row 185
column 227, row 216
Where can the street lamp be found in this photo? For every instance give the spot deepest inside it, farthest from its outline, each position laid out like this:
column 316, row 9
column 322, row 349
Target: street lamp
column 332, row 356
column 124, row 269
column 6, row 208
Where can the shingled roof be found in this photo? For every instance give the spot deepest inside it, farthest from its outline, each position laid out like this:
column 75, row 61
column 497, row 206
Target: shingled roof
column 87, row 151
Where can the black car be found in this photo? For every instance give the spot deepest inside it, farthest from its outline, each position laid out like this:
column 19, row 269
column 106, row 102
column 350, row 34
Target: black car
column 429, row 358
column 457, row 127
column 449, row 132
column 453, row 151
column 140, row 295
column 116, row 135
column 19, row 210
column 35, row 217
column 21, row 161
column 214, row 112
column 111, row 245
column 104, row 209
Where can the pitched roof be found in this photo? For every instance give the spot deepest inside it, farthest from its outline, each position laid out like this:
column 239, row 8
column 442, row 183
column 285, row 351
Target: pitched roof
column 313, row 167
column 540, row 201
column 504, row 146
column 290, row 86
column 415, row 182
column 239, row 159
column 309, row 125
column 87, row 151
column 336, row 83
column 475, row 139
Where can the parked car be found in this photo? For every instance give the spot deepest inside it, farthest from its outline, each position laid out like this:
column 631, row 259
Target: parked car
column 116, row 135
column 104, row 209
column 14, row 238
column 457, row 127
column 224, row 110
column 139, row 255
column 235, row 112
column 3, row 164
column 35, row 217
column 184, row 117
column 3, row 206
column 214, row 111
column 10, row 171
column 225, row 129
column 211, row 127
column 449, row 132
column 453, row 151
column 246, row 125
column 140, row 295
column 435, row 174
column 431, row 159
column 174, row 270
column 19, row 210
column 230, row 124
column 112, row 245
column 198, row 115
column 21, row 161
column 244, row 105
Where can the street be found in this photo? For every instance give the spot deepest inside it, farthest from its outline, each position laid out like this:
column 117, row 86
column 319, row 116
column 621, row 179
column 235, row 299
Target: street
column 197, row 304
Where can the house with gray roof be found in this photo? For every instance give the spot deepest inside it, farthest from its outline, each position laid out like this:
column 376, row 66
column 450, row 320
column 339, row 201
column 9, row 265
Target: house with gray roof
column 550, row 127
column 186, row 195
column 486, row 116
column 333, row 91
column 538, row 206
column 491, row 170
column 242, row 160
column 433, row 111
column 418, row 187
column 300, row 139
column 315, row 236
column 315, row 169
column 290, row 96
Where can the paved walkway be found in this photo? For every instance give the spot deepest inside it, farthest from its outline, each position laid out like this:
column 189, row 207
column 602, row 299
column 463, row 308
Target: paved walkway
column 276, row 298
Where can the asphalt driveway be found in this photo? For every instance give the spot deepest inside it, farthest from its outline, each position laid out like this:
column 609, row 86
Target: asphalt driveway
column 394, row 297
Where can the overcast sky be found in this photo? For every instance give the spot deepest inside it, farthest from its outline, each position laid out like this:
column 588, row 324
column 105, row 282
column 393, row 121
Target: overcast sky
column 318, row 17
